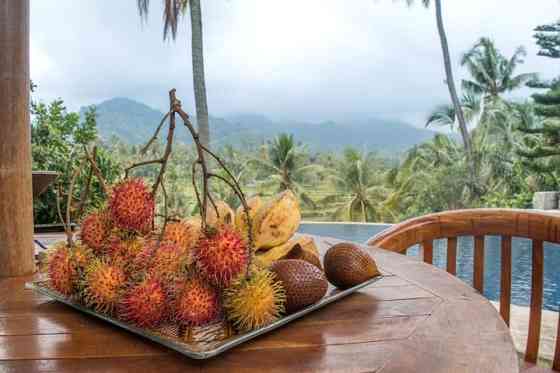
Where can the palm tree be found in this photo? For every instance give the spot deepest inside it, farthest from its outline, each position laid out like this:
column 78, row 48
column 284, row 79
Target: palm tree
column 286, row 166
column 451, row 84
column 360, row 182
column 173, row 10
column 492, row 73
column 445, row 115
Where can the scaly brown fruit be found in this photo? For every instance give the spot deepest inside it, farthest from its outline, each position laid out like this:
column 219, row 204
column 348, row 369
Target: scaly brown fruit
column 347, row 265
column 304, row 283
column 276, row 221
column 305, row 249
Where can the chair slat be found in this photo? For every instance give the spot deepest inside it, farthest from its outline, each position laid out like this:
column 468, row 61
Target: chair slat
column 532, row 352
column 428, row 249
column 452, row 255
column 556, row 361
column 505, row 279
column 478, row 277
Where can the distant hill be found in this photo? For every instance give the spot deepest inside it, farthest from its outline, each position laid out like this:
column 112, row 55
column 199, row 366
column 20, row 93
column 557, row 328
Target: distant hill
column 134, row 122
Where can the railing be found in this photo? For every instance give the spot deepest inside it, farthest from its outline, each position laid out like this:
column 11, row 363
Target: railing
column 507, row 223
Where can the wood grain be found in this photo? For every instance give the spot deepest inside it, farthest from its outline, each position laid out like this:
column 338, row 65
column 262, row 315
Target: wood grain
column 428, row 251
column 505, row 279
column 538, row 226
column 415, row 319
column 535, row 315
column 478, row 272
column 452, row 255
column 16, row 206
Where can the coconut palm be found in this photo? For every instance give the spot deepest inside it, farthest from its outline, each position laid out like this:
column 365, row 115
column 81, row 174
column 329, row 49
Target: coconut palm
column 172, row 12
column 451, row 84
column 445, row 115
column 492, row 74
column 286, row 166
column 359, row 189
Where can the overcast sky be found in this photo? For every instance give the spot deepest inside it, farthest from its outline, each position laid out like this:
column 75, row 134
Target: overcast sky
column 299, row 59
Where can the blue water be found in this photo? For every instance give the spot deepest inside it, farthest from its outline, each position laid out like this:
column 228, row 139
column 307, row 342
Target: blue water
column 521, row 261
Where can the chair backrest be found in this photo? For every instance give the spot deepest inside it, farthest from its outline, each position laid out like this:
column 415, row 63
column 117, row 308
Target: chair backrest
column 537, row 226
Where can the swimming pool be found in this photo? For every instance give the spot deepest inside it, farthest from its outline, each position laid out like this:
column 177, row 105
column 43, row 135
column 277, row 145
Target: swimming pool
column 521, row 260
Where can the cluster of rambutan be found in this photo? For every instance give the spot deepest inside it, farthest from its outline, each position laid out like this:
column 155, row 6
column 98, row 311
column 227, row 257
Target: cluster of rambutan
column 123, row 268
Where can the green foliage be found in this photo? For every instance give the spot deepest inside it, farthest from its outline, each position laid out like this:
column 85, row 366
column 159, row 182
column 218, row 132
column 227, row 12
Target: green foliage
column 548, row 39
column 57, row 141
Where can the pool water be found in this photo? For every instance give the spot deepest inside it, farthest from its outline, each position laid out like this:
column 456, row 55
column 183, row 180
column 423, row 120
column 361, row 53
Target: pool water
column 521, row 260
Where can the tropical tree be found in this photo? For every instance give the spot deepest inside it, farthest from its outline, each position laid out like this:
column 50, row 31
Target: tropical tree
column 450, row 82
column 446, row 115
column 431, row 178
column 172, row 12
column 286, row 166
column 58, row 138
column 359, row 191
column 548, row 39
column 492, row 74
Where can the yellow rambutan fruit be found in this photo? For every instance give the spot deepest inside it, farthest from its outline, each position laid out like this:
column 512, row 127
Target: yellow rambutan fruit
column 255, row 301
column 168, row 261
column 184, row 233
column 102, row 285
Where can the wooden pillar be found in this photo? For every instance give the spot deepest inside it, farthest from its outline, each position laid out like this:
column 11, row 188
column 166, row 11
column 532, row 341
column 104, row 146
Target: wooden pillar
column 16, row 201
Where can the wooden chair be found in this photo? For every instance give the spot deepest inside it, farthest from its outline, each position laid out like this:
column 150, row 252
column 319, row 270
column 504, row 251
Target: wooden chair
column 537, row 226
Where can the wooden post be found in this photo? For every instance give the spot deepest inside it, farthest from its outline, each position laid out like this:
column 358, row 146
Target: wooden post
column 16, row 201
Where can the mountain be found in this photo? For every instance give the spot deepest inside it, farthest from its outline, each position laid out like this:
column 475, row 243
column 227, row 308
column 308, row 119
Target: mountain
column 134, row 122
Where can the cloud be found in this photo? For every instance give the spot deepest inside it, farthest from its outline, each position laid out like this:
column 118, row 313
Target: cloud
column 296, row 59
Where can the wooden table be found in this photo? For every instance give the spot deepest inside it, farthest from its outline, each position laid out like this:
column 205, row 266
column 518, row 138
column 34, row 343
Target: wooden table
column 416, row 319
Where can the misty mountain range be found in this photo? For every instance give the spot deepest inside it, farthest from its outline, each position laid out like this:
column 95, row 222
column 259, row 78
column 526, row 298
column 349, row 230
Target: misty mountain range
column 134, row 123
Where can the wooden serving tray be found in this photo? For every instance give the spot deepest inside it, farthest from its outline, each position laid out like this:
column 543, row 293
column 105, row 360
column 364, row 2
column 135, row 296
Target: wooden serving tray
column 202, row 342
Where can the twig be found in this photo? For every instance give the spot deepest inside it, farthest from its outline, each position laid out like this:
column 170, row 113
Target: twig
column 59, row 211
column 165, row 216
column 168, row 147
column 97, row 171
column 69, row 199
column 154, row 137
column 85, row 192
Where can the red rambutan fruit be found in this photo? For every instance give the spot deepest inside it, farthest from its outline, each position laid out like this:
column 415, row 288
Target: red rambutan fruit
column 102, row 285
column 168, row 261
column 197, row 302
column 131, row 206
column 184, row 233
column 95, row 230
column 123, row 251
column 62, row 271
column 221, row 255
column 144, row 304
